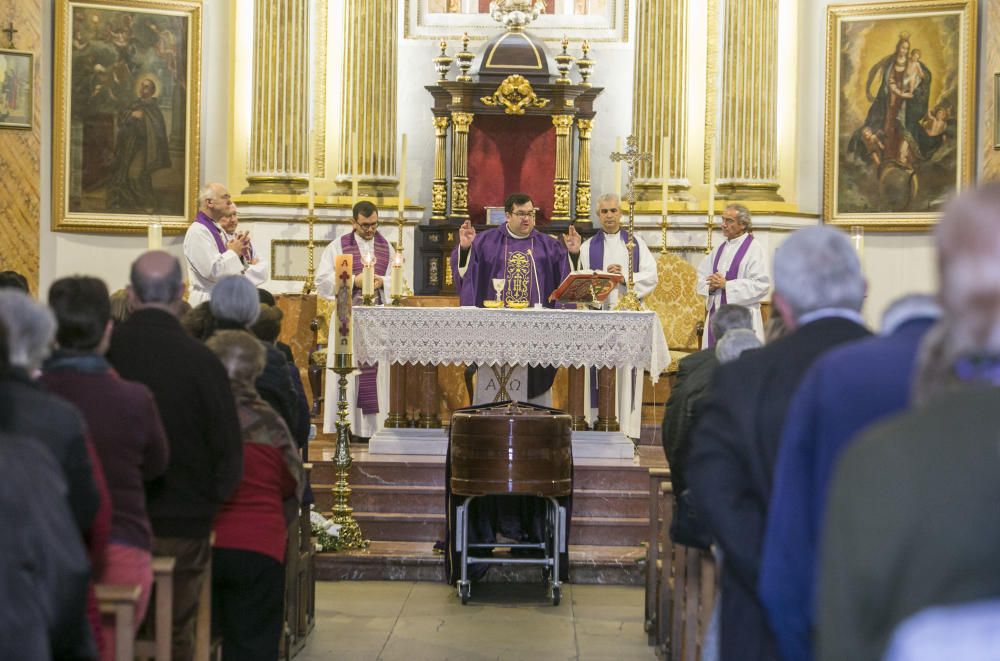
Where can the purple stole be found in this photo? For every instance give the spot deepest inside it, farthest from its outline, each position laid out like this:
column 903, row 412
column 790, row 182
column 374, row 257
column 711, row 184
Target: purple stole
column 734, row 269
column 210, row 226
column 367, row 383
column 597, row 250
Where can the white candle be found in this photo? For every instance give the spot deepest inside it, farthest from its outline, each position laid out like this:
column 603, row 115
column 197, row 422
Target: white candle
column 711, row 187
column 618, row 171
column 858, row 239
column 154, row 236
column 367, row 276
column 354, row 169
column 341, row 319
column 402, row 176
column 396, row 283
column 665, row 173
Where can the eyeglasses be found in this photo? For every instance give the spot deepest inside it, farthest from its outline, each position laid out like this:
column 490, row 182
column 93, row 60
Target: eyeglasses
column 524, row 214
column 611, row 210
column 368, row 226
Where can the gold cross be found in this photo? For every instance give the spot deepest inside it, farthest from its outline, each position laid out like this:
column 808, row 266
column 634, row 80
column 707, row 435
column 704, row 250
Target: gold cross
column 631, row 157
column 10, row 32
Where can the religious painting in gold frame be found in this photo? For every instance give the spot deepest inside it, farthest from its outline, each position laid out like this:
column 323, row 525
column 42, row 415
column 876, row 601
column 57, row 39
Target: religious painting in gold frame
column 126, row 114
column 900, row 115
column 17, row 84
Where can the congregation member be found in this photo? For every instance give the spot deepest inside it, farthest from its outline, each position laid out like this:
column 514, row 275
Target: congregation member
column 14, row 280
column 57, row 426
column 209, row 255
column 911, row 520
column 369, row 386
column 123, row 424
column 530, row 264
column 818, row 291
column 248, row 556
column 254, row 266
column 193, row 395
column 235, row 305
column 735, row 272
column 847, row 390
column 607, row 251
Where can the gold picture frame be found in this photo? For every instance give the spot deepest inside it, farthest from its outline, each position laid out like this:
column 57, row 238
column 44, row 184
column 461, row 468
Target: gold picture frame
column 126, row 123
column 900, row 111
column 17, row 85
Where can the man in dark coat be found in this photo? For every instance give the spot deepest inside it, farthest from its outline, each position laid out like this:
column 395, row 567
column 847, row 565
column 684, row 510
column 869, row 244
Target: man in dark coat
column 818, row 291
column 847, row 390
column 192, row 392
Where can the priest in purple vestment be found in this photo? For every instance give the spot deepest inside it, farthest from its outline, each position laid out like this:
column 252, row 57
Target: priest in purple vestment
column 364, row 241
column 210, row 255
column 530, row 263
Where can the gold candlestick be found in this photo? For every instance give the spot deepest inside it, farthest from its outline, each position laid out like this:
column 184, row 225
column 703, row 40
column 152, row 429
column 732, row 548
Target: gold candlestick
column 343, row 514
column 631, row 157
column 310, row 283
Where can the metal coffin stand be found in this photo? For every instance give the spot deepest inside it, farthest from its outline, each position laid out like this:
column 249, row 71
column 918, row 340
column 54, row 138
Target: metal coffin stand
column 512, row 449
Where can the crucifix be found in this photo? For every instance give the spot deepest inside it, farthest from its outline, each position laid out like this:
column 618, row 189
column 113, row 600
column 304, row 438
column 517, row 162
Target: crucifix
column 631, row 157
column 10, row 32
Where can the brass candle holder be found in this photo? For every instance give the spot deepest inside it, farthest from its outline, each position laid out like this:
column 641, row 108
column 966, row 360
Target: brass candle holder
column 631, row 157
column 343, row 514
column 368, row 299
column 310, row 283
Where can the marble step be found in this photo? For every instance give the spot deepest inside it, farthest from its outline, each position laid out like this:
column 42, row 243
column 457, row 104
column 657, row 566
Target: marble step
column 417, row 561
column 590, row 530
column 387, row 499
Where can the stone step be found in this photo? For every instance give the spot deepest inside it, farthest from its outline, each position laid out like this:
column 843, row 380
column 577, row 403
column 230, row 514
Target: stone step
column 589, row 530
column 417, row 561
column 387, row 499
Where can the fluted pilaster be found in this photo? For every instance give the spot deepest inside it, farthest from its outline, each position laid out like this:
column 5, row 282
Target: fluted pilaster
column 560, row 203
column 586, row 127
column 659, row 104
column 279, row 121
column 368, row 99
column 439, row 186
column 460, row 164
column 748, row 145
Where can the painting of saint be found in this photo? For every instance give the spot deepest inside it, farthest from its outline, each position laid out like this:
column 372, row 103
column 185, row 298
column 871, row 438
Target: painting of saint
column 15, row 89
column 898, row 127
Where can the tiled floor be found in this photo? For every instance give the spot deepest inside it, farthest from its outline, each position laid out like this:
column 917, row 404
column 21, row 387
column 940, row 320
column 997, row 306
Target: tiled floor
column 415, row 621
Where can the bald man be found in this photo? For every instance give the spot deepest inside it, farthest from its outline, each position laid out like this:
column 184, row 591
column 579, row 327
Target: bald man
column 210, row 253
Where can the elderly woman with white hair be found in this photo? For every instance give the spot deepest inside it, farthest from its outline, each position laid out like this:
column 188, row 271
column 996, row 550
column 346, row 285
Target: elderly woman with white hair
column 248, row 573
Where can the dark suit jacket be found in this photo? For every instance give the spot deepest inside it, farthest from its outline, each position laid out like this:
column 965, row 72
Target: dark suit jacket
column 912, row 522
column 730, row 469
column 694, row 374
column 192, row 392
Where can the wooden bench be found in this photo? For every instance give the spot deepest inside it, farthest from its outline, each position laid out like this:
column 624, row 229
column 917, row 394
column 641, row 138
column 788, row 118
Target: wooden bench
column 119, row 601
column 657, row 555
column 300, row 583
column 158, row 646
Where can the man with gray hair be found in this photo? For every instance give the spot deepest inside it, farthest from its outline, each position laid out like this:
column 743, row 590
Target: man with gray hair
column 735, row 272
column 196, row 404
column 210, row 254
column 818, row 290
column 911, row 516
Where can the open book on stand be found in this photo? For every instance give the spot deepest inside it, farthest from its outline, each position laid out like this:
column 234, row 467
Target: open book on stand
column 586, row 287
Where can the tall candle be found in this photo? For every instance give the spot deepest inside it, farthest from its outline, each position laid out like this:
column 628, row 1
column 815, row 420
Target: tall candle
column 344, row 283
column 618, row 171
column 154, row 236
column 665, row 173
column 354, row 169
column 711, row 187
column 367, row 276
column 858, row 239
column 402, row 176
column 396, row 283
column 312, row 184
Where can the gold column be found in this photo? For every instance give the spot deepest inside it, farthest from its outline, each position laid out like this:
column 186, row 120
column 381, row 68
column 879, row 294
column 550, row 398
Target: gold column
column 582, row 210
column 368, row 99
column 439, row 187
column 279, row 131
column 748, row 147
column 659, row 106
column 560, row 204
column 460, row 164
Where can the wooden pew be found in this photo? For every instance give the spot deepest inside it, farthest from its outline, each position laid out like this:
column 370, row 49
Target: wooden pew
column 657, row 561
column 119, row 601
column 158, row 646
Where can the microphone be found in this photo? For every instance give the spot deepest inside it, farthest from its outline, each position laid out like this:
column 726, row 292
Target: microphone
column 534, row 271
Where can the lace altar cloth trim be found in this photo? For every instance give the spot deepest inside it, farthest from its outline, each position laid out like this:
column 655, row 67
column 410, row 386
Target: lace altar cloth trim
column 562, row 338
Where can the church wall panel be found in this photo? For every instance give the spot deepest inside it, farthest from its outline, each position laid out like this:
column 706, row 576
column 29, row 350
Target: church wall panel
column 20, row 196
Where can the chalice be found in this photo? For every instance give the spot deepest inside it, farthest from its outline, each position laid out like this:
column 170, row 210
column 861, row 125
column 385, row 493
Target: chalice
column 498, row 284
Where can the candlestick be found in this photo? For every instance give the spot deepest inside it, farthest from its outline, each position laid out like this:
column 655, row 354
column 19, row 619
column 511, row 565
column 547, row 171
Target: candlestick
column 367, row 280
column 154, row 236
column 858, row 241
column 354, row 169
column 711, row 198
column 344, row 282
column 665, row 173
column 310, row 282
column 396, row 281
column 402, row 176
column 618, row 171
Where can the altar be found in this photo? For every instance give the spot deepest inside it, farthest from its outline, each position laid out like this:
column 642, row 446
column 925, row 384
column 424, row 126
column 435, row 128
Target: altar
column 574, row 339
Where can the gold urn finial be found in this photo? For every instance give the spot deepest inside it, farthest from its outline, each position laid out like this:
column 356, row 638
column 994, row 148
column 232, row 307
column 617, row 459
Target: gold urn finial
column 442, row 62
column 585, row 65
column 564, row 61
column 465, row 58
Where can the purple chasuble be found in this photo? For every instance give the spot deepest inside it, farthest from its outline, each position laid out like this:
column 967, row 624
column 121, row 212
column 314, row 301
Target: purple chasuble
column 734, row 270
column 367, row 383
column 210, row 226
column 597, row 251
